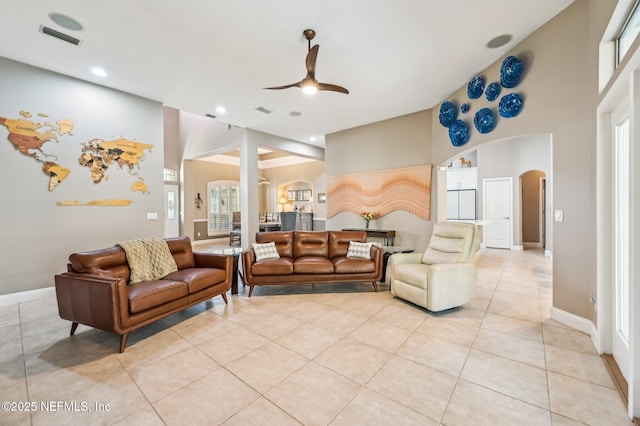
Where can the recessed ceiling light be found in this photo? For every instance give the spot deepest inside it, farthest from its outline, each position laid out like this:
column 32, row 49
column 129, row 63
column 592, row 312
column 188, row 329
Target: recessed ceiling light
column 312, row 139
column 221, row 110
column 499, row 41
column 99, row 71
column 66, row 21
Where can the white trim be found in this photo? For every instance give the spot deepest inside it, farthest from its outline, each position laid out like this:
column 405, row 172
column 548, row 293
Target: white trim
column 24, row 296
column 548, row 253
column 534, row 245
column 517, row 248
column 579, row 323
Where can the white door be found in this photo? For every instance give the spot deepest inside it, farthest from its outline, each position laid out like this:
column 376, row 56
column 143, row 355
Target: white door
column 497, row 208
column 171, row 222
column 621, row 243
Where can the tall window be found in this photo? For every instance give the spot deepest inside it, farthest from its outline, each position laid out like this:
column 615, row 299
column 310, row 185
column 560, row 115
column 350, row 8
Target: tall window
column 628, row 34
column 223, row 198
column 170, row 175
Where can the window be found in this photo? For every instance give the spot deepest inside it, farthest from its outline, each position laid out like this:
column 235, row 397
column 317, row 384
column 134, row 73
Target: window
column 170, row 175
column 223, row 198
column 628, row 34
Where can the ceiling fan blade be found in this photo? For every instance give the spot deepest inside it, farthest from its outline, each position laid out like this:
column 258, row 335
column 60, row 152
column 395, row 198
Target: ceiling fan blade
column 311, row 61
column 332, row 87
column 284, row 87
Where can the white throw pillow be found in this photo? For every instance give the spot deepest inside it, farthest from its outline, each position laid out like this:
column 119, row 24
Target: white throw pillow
column 361, row 250
column 265, row 251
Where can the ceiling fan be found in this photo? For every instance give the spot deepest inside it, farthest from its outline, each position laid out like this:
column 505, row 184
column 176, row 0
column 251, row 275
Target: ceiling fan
column 309, row 84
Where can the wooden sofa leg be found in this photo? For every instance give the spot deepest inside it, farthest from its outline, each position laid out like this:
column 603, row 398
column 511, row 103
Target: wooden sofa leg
column 375, row 286
column 250, row 290
column 224, row 296
column 123, row 341
column 74, row 326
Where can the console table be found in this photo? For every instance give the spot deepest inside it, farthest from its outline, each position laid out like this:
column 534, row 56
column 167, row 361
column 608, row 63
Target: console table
column 387, row 235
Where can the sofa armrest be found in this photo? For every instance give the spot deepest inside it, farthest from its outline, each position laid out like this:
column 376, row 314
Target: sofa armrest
column 213, row 260
column 248, row 259
column 399, row 258
column 93, row 300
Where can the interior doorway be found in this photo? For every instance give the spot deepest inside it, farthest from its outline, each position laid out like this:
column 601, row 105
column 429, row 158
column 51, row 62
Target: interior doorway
column 533, row 218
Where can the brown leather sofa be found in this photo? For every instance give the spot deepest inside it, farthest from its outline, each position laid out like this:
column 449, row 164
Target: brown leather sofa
column 311, row 257
column 96, row 291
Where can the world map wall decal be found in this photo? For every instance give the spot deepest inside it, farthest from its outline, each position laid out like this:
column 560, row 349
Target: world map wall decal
column 30, row 137
column 485, row 119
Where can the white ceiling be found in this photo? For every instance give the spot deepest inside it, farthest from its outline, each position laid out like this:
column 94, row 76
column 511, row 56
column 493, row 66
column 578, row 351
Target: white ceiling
column 395, row 57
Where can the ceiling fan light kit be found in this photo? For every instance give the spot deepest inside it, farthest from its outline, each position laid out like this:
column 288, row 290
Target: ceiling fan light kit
column 309, row 84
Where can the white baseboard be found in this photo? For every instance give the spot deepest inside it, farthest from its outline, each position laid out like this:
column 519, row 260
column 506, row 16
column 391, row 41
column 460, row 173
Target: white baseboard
column 517, row 248
column 578, row 323
column 24, row 296
column 548, row 253
column 534, row 245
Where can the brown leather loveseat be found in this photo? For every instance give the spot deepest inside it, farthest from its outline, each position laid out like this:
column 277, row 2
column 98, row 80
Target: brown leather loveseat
column 96, row 291
column 312, row 257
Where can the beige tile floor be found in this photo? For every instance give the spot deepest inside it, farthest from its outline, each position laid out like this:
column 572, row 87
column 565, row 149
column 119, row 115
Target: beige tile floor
column 338, row 355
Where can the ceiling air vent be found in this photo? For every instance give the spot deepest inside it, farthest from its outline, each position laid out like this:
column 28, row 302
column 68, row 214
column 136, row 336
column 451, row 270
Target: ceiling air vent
column 264, row 110
column 59, row 35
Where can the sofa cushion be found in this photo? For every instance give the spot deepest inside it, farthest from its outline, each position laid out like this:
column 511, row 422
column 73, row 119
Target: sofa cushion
column 310, row 243
column 339, row 241
column 149, row 294
column 108, row 262
column 353, row 265
column 360, row 250
column 265, row 251
column 280, row 266
column 198, row 278
column 283, row 240
column 450, row 243
column 313, row 265
column 181, row 251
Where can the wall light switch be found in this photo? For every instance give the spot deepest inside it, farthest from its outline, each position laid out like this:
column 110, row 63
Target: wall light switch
column 559, row 214
column 152, row 216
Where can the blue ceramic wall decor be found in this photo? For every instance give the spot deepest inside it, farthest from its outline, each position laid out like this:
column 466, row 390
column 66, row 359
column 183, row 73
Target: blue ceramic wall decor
column 459, row 133
column 510, row 72
column 510, row 105
column 475, row 87
column 493, row 91
column 464, row 108
column 448, row 113
column 484, row 120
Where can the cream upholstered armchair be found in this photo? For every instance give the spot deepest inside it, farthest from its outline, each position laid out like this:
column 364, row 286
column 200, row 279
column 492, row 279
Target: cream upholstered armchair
column 442, row 277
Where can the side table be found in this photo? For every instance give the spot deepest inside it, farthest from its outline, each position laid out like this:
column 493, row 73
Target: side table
column 388, row 251
column 235, row 252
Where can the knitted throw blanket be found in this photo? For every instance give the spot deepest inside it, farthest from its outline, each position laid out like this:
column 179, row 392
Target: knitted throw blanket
column 148, row 258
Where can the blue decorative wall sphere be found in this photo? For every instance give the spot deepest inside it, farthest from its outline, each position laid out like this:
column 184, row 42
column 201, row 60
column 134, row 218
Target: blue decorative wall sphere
column 464, row 108
column 493, row 91
column 510, row 72
column 448, row 113
column 484, row 120
column 475, row 87
column 459, row 133
column 510, row 105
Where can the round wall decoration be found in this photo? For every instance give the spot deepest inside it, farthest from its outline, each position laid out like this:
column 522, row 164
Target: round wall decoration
column 510, row 72
column 485, row 120
column 464, row 108
column 510, row 105
column 459, row 133
column 493, row 91
column 475, row 87
column 448, row 113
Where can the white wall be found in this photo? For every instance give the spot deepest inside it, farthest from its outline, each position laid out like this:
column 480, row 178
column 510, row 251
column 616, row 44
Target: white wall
column 37, row 234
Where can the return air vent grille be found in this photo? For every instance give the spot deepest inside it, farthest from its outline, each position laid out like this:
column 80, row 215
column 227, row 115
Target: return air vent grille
column 264, row 110
column 59, row 35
